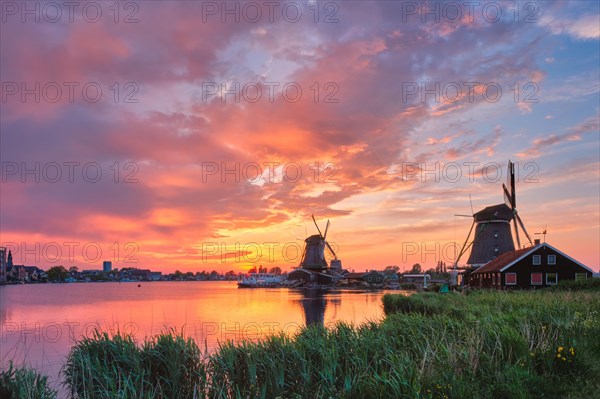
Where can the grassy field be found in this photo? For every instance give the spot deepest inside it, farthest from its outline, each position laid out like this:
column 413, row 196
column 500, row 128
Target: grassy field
column 542, row 344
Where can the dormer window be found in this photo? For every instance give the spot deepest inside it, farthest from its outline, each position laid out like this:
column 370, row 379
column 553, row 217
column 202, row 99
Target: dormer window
column 537, row 260
column 552, row 259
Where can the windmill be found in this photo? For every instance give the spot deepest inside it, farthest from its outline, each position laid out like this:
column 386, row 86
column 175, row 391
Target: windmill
column 511, row 200
column 314, row 251
column 492, row 227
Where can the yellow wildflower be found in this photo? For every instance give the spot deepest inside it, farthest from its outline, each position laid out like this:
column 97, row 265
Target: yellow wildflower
column 560, row 349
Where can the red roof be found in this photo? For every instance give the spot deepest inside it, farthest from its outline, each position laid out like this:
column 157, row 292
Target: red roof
column 495, row 265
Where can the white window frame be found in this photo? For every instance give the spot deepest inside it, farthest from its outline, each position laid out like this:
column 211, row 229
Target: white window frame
column 585, row 276
column 541, row 280
column 538, row 258
column 547, row 283
column 506, row 281
column 553, row 257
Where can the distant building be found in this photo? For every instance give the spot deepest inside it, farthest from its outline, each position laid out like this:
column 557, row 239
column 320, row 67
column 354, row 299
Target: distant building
column 305, row 275
column 421, row 279
column 154, row 276
column 24, row 273
column 2, row 265
column 370, row 277
column 145, row 274
column 106, row 266
column 374, row 277
column 539, row 266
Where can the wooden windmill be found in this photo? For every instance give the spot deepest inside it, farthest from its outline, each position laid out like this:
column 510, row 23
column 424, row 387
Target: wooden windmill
column 492, row 228
column 313, row 257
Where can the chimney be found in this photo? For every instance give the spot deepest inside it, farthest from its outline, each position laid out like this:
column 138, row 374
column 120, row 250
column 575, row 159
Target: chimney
column 536, row 242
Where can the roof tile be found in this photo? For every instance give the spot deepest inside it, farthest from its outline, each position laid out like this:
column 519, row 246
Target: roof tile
column 502, row 260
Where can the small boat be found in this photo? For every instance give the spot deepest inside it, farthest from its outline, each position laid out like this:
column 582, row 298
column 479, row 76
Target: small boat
column 259, row 280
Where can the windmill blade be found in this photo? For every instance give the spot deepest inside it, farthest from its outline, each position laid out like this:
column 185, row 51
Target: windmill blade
column 331, row 249
column 471, row 202
column 513, row 192
column 464, row 216
column 326, row 228
column 524, row 230
column 507, row 196
column 464, row 247
column 517, row 233
column 318, row 229
column 507, row 174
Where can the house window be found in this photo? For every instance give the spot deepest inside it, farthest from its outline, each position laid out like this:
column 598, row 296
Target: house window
column 537, row 259
column 536, row 278
column 580, row 276
column 552, row 259
column 551, row 278
column 510, row 278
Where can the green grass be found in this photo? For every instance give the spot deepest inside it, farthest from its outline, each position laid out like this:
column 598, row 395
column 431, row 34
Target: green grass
column 167, row 366
column 24, row 383
column 541, row 344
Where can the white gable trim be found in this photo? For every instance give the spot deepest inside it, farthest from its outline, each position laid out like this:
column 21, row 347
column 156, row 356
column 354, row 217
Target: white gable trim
column 571, row 259
column 518, row 259
column 533, row 249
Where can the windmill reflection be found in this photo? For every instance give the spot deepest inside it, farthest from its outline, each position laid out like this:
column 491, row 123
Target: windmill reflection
column 314, row 301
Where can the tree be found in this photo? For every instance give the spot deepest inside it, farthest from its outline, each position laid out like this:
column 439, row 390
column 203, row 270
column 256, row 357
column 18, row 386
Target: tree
column 253, row 270
column 389, row 270
column 441, row 267
column 416, row 269
column 275, row 270
column 101, row 276
column 57, row 273
column 73, row 270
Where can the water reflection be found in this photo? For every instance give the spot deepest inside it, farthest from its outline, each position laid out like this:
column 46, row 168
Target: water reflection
column 39, row 323
column 314, row 301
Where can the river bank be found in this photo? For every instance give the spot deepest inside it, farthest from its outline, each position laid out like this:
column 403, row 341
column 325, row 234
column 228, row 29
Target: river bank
column 482, row 345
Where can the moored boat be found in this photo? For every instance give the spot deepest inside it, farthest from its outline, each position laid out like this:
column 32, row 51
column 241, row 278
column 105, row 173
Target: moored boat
column 259, row 280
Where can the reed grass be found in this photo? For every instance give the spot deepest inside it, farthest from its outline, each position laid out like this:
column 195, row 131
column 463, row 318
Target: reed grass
column 430, row 345
column 21, row 382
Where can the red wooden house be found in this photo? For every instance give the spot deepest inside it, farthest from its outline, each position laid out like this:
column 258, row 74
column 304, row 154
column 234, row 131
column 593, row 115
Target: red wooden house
column 539, row 266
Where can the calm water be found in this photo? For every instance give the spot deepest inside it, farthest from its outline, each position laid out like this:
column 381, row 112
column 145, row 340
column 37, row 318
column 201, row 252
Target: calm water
column 40, row 323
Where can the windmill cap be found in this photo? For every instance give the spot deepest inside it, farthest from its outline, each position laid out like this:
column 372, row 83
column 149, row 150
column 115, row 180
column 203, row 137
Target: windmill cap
column 314, row 238
column 494, row 212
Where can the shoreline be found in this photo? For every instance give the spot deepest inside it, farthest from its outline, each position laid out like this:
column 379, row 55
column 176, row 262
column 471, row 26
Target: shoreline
column 428, row 346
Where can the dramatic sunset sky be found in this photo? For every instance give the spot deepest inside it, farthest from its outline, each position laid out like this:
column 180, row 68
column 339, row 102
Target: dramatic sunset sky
column 365, row 129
